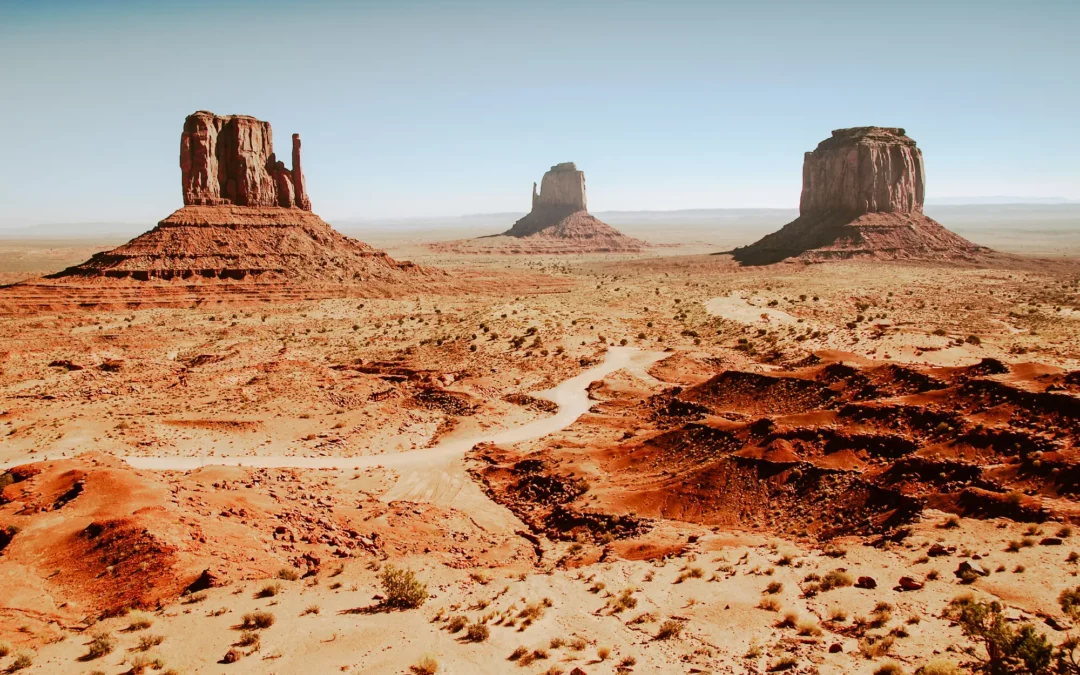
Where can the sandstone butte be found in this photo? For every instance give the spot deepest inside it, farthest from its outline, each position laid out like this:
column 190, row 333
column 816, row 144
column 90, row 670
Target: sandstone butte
column 862, row 197
column 559, row 222
column 246, row 233
column 245, row 217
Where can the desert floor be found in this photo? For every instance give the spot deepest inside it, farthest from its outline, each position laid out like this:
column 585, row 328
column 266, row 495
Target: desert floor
column 171, row 470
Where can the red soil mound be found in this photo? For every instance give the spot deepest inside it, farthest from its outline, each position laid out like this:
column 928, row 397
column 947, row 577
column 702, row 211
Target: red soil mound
column 825, row 450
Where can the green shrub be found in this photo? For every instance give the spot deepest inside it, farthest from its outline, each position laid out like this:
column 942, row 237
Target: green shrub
column 403, row 590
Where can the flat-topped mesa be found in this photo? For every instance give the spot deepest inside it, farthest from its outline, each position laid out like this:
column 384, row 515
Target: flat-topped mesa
column 863, row 170
column 562, row 188
column 229, row 159
column 862, row 197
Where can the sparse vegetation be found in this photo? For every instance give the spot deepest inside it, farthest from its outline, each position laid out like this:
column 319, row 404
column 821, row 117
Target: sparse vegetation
column 477, row 632
column 288, row 574
column 101, row 643
column 403, row 590
column 427, row 665
column 670, row 629
column 253, row 620
column 269, row 590
column 1007, row 650
column 139, row 621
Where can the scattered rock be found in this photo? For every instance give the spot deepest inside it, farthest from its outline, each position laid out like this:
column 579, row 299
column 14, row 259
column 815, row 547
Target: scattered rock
column 1051, row 541
column 937, row 550
column 910, row 584
column 966, row 566
column 866, row 582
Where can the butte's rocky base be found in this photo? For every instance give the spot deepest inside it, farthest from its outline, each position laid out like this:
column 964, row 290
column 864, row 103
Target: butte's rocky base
column 246, row 231
column 862, row 196
column 559, row 222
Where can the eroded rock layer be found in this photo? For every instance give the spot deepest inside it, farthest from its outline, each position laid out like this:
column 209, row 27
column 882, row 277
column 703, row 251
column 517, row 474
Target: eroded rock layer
column 862, row 196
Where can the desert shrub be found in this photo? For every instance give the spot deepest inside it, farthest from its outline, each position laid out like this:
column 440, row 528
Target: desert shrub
column 578, row 643
column 269, row 590
column 311, row 609
column 101, row 643
column 521, row 650
column 23, row 660
column 670, row 629
column 940, row 667
column 139, row 621
column 477, row 632
column 628, row 662
column 288, row 574
column 889, row 668
column 194, row 598
column 557, row 642
column 783, row 663
column 835, row 579
column 625, row 600
column 425, row 666
column 952, row 522
column 808, row 627
column 140, row 663
column 1008, row 650
column 769, row 604
column 456, row 623
column 838, row 614
column 249, row 639
column 873, row 647
column 403, row 590
column 603, row 653
column 1070, row 602
column 774, row 587
column 253, row 620
column 148, row 642
column 788, row 620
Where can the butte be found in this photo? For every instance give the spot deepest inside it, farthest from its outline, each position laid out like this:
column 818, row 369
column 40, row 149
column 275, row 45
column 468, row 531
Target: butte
column 559, row 222
column 862, row 197
column 245, row 232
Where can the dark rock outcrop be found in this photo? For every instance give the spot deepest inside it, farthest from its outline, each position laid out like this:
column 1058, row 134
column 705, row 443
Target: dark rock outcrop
column 862, row 196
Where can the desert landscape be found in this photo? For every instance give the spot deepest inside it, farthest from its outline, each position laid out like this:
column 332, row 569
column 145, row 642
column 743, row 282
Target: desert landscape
column 243, row 442
column 790, row 384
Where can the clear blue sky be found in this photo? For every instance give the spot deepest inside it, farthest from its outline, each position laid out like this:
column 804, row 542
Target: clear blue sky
column 410, row 108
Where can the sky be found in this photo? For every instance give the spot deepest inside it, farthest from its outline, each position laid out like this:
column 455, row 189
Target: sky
column 412, row 108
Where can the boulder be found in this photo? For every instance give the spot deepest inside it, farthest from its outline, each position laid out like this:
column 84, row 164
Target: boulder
column 910, row 584
column 866, row 582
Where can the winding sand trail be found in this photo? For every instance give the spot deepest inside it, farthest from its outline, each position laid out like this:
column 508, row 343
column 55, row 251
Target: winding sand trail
column 438, row 475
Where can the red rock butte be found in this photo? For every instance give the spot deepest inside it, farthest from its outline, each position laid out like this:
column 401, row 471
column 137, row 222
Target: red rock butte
column 862, row 196
column 559, row 222
column 246, row 218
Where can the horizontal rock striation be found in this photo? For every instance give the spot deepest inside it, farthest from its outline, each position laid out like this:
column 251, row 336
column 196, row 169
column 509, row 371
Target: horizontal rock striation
column 862, row 197
column 244, row 243
column 229, row 159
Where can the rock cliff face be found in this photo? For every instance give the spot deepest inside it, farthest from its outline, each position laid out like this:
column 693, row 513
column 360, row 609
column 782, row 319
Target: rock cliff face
column 862, row 196
column 230, row 160
column 563, row 187
column 863, row 170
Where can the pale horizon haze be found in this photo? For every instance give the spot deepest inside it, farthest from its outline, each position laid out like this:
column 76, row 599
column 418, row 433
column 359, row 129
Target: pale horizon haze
column 424, row 109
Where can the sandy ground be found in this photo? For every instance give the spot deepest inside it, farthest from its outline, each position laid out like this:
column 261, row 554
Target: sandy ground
column 235, row 421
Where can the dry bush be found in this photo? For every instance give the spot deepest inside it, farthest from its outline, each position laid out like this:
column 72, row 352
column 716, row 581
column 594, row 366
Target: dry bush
column 808, row 628
column 249, row 639
column 940, row 667
column 139, row 621
column 253, row 620
column 578, row 643
column 5, row 649
column 769, row 604
column 269, row 590
column 477, row 632
column 556, row 642
column 311, row 609
column 783, row 663
column 288, row 574
column 874, row 647
column 603, row 653
column 515, row 655
column 835, row 579
column 889, row 668
column 101, row 643
column 838, row 614
column 774, row 587
column 788, row 621
column 670, row 629
column 140, row 663
column 403, row 590
column 425, row 666
column 148, row 642
column 456, row 623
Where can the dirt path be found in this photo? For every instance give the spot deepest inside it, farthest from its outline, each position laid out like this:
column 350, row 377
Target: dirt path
column 438, row 474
